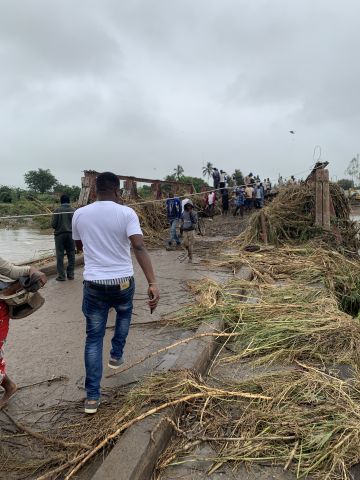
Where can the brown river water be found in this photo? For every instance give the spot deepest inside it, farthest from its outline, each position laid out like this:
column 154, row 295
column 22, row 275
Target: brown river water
column 23, row 244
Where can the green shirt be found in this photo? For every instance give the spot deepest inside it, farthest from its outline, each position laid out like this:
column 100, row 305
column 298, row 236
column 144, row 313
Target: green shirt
column 62, row 223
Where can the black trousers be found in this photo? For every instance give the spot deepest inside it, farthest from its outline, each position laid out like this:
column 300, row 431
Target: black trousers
column 65, row 244
column 241, row 208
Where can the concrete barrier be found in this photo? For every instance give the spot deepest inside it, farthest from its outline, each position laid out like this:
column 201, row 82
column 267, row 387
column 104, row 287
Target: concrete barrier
column 50, row 268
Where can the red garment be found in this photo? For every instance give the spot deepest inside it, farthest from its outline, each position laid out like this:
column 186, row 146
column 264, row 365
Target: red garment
column 4, row 329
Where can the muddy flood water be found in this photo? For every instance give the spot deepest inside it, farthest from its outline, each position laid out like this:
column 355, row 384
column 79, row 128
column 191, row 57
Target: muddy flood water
column 23, row 244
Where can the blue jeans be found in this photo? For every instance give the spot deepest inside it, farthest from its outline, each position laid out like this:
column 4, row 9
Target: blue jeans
column 96, row 306
column 173, row 233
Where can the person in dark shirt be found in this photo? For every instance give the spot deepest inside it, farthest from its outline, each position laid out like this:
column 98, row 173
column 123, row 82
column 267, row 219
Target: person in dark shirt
column 239, row 201
column 173, row 211
column 225, row 201
column 64, row 243
column 216, row 178
column 189, row 221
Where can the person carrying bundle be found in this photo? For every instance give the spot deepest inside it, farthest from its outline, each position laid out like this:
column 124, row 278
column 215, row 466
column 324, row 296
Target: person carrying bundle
column 187, row 229
column 8, row 289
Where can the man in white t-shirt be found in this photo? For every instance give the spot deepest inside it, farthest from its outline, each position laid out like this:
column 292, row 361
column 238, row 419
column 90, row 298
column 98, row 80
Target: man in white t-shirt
column 105, row 231
column 210, row 204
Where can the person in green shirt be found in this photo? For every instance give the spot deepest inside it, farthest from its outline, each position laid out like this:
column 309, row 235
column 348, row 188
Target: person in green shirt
column 64, row 243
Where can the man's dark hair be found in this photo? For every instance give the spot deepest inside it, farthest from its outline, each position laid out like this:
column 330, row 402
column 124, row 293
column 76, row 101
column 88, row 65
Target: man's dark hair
column 107, row 182
column 64, row 199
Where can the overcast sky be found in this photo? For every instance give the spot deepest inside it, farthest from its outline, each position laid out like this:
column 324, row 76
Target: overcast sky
column 139, row 86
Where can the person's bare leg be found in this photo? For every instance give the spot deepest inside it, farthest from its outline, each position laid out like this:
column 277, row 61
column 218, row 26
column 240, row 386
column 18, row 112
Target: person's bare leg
column 190, row 247
column 10, row 388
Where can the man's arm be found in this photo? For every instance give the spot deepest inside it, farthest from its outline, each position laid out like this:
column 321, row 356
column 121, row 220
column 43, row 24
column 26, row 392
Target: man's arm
column 79, row 245
column 143, row 258
column 75, row 235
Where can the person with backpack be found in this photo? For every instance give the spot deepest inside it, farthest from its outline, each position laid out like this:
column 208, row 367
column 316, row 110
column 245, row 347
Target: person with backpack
column 173, row 211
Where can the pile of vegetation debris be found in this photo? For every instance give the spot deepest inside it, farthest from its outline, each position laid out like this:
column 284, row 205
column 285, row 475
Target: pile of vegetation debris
column 295, row 332
column 294, row 327
column 296, row 343
column 153, row 220
column 290, row 218
column 311, row 263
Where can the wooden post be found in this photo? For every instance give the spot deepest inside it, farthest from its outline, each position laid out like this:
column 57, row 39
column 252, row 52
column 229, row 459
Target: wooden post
column 322, row 199
column 263, row 228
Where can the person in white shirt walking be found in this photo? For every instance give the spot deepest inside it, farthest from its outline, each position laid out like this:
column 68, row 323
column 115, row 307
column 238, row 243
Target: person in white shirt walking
column 105, row 230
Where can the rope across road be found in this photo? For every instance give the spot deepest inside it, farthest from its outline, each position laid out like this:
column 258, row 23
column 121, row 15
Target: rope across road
column 145, row 202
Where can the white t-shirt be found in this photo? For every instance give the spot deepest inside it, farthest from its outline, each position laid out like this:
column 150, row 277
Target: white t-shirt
column 104, row 229
column 211, row 198
column 184, row 202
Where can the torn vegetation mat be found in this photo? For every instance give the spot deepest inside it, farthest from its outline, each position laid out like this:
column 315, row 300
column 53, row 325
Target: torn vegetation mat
column 65, row 455
column 301, row 339
column 275, row 323
column 311, row 425
column 309, row 264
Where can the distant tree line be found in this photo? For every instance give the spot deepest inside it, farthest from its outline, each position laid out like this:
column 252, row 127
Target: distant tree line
column 41, row 182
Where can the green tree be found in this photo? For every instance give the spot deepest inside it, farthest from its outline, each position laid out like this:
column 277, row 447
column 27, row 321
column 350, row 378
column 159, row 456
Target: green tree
column 195, row 181
column 178, row 172
column 345, row 183
column 353, row 169
column 238, row 177
column 208, row 170
column 73, row 191
column 6, row 194
column 40, row 180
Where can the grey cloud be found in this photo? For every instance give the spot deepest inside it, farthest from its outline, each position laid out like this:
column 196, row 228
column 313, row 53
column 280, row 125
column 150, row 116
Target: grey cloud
column 140, row 86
